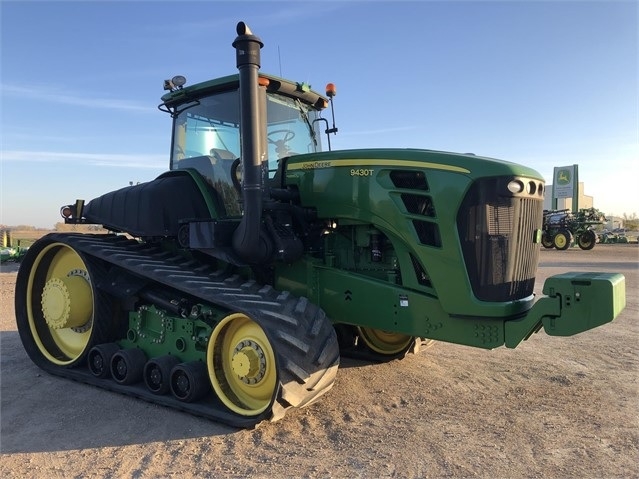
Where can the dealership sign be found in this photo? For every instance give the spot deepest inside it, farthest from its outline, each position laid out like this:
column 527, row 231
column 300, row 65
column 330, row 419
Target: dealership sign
column 564, row 182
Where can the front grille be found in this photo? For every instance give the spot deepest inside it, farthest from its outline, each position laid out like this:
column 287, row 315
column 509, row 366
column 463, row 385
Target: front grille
column 498, row 232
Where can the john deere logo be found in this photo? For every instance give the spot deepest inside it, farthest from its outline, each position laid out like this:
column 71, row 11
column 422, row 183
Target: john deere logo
column 563, row 177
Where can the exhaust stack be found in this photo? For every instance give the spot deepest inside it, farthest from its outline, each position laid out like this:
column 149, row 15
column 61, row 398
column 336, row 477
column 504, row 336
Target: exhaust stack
column 249, row 242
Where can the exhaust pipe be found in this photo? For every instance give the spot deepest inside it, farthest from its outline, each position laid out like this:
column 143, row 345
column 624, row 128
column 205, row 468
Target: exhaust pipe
column 249, row 242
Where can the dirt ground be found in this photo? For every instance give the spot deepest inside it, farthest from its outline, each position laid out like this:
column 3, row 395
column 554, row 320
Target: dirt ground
column 551, row 408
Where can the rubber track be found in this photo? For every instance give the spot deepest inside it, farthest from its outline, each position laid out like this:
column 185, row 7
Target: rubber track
column 302, row 337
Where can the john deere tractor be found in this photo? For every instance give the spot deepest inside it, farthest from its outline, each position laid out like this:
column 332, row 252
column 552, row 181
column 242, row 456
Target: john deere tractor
column 8, row 250
column 230, row 285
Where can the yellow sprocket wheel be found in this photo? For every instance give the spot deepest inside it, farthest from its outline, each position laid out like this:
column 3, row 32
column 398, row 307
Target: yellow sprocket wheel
column 241, row 365
column 386, row 343
column 59, row 304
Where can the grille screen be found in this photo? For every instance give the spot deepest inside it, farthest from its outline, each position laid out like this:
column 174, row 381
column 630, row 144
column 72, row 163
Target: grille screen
column 497, row 235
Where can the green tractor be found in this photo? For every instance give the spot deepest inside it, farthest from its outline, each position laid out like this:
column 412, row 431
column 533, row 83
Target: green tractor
column 617, row 236
column 233, row 283
column 10, row 252
column 562, row 227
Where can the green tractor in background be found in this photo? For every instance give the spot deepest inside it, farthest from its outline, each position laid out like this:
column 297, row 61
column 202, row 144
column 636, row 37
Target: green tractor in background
column 9, row 252
column 616, row 236
column 562, row 227
column 235, row 281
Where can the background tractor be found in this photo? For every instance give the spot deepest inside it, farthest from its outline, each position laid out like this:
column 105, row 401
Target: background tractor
column 8, row 250
column 562, row 227
column 616, row 236
column 233, row 283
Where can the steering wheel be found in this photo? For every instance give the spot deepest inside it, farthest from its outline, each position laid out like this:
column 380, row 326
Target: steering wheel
column 288, row 136
column 236, row 174
column 281, row 148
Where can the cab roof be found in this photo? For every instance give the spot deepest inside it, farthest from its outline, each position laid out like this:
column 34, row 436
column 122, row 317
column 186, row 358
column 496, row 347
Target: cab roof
column 231, row 82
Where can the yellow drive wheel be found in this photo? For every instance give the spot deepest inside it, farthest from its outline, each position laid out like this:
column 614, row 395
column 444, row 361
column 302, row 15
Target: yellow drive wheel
column 241, row 365
column 383, row 342
column 59, row 304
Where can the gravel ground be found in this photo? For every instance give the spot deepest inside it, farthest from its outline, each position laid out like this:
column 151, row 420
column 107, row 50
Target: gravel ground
column 551, row 408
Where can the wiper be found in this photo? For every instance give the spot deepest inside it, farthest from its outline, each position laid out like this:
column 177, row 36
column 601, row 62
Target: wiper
column 300, row 107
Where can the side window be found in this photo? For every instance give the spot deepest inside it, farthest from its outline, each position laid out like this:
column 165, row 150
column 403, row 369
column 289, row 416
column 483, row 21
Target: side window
column 208, row 128
column 206, row 137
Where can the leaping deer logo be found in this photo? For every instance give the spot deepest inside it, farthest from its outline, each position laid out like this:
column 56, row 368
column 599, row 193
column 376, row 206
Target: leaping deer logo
column 563, row 178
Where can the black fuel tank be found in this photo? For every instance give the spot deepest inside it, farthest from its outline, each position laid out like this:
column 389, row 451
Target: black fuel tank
column 155, row 208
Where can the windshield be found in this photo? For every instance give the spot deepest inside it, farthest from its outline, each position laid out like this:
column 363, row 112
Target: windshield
column 291, row 129
column 211, row 128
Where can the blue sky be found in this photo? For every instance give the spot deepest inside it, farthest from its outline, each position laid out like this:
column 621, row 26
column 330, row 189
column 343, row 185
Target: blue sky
column 542, row 83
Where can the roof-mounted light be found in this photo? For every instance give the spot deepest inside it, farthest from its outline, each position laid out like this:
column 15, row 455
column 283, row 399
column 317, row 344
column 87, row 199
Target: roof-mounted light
column 175, row 83
column 66, row 211
column 178, row 81
column 331, row 90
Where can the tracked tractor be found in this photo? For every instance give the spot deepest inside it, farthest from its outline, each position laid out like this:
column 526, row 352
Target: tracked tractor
column 230, row 285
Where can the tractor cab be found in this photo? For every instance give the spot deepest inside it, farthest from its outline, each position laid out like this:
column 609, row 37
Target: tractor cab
column 206, row 128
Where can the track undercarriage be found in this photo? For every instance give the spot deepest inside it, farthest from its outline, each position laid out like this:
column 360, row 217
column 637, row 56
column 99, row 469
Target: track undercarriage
column 140, row 320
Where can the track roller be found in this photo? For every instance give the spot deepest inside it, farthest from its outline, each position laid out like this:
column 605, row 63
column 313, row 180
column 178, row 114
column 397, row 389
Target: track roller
column 99, row 359
column 190, row 381
column 157, row 373
column 127, row 365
